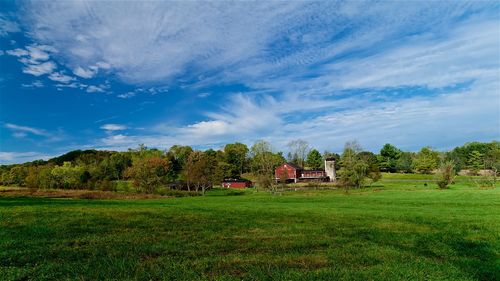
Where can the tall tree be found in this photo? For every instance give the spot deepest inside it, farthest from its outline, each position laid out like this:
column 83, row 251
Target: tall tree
column 476, row 161
column 426, row 160
column 389, row 155
column 264, row 161
column 199, row 171
column 405, row 162
column 372, row 163
column 314, row 160
column 149, row 173
column 236, row 156
column 353, row 169
column 298, row 151
column 179, row 154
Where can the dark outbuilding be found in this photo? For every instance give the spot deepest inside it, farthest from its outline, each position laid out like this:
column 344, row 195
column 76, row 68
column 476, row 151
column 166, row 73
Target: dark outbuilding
column 236, row 183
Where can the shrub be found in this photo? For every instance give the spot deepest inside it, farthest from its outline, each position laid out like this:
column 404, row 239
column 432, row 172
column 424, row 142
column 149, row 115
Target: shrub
column 446, row 174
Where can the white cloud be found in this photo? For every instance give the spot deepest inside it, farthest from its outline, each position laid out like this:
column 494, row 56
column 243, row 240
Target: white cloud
column 95, row 89
column 7, row 26
column 36, row 60
column 59, row 77
column 103, row 65
column 40, row 69
column 127, row 95
column 10, row 157
column 85, row 73
column 314, row 68
column 39, row 53
column 157, row 40
column 25, row 129
column 113, row 127
column 17, row 52
column 204, row 95
column 74, row 85
column 34, row 84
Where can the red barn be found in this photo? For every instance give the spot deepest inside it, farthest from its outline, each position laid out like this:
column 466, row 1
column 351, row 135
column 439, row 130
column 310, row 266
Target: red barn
column 294, row 173
column 313, row 174
column 236, row 183
column 291, row 171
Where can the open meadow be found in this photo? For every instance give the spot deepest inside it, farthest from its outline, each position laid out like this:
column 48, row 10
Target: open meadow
column 401, row 228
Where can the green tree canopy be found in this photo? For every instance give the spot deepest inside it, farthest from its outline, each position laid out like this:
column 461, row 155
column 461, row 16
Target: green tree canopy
column 236, row 156
column 388, row 158
column 314, row 160
column 149, row 173
column 426, row 160
column 353, row 169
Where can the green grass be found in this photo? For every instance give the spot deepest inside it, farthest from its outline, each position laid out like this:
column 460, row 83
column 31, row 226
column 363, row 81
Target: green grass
column 391, row 231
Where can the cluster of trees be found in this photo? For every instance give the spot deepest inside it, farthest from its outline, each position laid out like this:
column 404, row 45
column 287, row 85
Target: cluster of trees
column 149, row 169
column 474, row 157
column 179, row 167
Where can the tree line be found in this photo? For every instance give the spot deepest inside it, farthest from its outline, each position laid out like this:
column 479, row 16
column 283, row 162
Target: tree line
column 182, row 167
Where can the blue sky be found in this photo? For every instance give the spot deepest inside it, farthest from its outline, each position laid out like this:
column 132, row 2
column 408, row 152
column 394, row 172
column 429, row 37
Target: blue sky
column 109, row 75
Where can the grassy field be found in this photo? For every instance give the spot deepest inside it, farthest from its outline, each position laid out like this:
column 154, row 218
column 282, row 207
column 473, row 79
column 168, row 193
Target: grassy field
column 401, row 228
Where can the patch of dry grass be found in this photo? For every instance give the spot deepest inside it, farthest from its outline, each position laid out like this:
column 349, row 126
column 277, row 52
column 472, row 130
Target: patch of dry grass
column 73, row 194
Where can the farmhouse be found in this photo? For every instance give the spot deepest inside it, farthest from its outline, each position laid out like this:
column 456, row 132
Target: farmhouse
column 291, row 172
column 236, row 183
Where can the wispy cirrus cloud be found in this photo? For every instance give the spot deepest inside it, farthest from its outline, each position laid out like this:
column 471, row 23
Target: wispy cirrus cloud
column 26, row 133
column 325, row 71
column 34, row 84
column 113, row 127
column 18, row 129
column 127, row 95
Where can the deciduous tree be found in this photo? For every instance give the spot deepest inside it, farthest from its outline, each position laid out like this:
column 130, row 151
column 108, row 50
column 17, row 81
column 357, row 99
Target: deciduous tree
column 236, row 156
column 298, row 151
column 149, row 173
column 353, row 169
column 426, row 160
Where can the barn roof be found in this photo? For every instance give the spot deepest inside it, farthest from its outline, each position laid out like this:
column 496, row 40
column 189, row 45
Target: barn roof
column 293, row 166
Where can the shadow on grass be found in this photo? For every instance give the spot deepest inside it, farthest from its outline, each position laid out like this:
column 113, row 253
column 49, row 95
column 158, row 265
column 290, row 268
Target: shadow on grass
column 32, row 201
column 476, row 258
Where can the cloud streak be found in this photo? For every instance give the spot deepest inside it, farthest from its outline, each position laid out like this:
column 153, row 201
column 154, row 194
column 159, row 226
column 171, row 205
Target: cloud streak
column 26, row 129
column 322, row 71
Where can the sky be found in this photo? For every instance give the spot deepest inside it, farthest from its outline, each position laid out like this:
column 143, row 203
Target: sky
column 113, row 75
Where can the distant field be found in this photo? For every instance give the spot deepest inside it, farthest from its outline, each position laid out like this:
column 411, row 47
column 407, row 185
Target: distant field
column 401, row 228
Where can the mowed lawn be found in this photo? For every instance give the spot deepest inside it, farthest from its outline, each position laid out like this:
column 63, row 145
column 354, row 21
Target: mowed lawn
column 394, row 230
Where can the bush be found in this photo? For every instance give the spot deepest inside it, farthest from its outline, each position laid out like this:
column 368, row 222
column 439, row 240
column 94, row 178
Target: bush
column 446, row 174
column 106, row 185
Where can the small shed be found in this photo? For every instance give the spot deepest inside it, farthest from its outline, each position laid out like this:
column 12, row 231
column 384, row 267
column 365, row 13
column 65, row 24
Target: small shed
column 236, row 183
